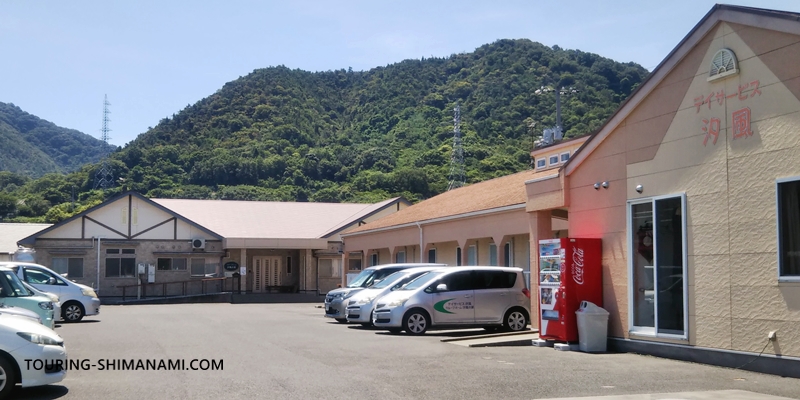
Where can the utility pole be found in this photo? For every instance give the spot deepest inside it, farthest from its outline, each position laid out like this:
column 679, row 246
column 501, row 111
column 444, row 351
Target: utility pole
column 457, row 175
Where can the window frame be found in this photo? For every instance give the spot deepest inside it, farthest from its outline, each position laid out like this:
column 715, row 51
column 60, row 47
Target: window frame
column 434, row 255
column 172, row 263
column 550, row 159
column 397, row 257
column 374, row 259
column 120, row 253
column 653, row 332
column 472, row 255
column 561, row 157
column 778, row 182
column 493, row 254
column 541, row 163
column 359, row 258
column 288, row 265
column 69, row 276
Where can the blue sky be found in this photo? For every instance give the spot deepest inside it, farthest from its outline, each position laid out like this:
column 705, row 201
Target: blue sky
column 152, row 58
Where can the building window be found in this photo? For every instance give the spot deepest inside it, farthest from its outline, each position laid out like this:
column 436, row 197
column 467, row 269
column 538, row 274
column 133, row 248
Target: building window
column 354, row 261
column 472, row 255
column 492, row 254
column 723, row 64
column 432, row 255
column 508, row 254
column 329, row 268
column 541, row 163
column 657, row 243
column 789, row 229
column 289, row 265
column 373, row 259
column 564, row 157
column 400, row 257
column 553, row 160
column 171, row 264
column 201, row 268
column 458, row 255
column 120, row 263
column 69, row 267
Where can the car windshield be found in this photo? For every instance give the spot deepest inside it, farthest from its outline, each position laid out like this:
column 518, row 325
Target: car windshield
column 389, row 280
column 361, row 278
column 422, row 280
column 11, row 286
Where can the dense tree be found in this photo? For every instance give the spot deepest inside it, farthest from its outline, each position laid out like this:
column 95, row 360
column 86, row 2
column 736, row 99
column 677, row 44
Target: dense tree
column 354, row 136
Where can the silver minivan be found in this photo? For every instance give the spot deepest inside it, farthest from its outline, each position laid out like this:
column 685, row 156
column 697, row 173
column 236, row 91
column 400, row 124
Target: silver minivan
column 474, row 296
column 361, row 304
column 335, row 300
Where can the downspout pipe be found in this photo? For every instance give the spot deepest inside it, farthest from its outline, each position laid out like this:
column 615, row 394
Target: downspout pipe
column 98, row 264
column 421, row 247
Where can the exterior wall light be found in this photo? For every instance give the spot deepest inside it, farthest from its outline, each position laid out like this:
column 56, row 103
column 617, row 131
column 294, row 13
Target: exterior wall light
column 605, row 185
column 639, row 188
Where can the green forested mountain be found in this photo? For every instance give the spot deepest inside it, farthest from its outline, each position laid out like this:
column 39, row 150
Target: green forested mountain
column 283, row 134
column 32, row 147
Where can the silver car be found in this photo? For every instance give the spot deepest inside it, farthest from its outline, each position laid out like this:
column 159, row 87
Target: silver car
column 461, row 297
column 335, row 300
column 360, row 305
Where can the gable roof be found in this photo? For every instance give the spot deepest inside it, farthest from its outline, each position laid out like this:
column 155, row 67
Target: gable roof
column 272, row 219
column 32, row 238
column 492, row 194
column 11, row 233
column 783, row 21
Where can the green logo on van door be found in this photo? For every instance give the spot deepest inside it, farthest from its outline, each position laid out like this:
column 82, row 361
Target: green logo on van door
column 440, row 306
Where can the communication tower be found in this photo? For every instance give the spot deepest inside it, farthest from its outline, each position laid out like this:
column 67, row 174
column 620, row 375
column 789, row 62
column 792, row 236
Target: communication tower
column 457, row 176
column 104, row 177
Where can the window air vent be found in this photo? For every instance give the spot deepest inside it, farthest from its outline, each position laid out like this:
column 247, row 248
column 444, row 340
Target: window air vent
column 723, row 64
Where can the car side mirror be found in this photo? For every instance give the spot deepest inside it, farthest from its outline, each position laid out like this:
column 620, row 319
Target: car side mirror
column 51, row 281
column 441, row 287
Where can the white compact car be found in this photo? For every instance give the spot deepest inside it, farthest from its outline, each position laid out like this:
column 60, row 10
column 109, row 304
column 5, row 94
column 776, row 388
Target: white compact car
column 22, row 339
column 361, row 304
column 19, row 312
column 56, row 301
column 460, row 297
column 77, row 301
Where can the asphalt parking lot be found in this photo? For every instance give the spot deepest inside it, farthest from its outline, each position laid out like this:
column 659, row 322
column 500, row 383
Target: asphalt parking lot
column 289, row 351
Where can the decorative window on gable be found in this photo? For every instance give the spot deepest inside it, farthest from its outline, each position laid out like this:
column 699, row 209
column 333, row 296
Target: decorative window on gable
column 723, row 64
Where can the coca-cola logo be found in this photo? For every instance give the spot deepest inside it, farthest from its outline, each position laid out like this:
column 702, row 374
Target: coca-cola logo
column 577, row 265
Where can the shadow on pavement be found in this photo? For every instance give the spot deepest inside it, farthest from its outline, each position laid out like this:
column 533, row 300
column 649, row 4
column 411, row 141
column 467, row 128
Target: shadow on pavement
column 40, row 392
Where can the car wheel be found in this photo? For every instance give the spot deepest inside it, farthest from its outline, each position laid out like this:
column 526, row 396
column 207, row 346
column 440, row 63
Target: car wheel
column 8, row 377
column 515, row 320
column 72, row 311
column 341, row 320
column 416, row 322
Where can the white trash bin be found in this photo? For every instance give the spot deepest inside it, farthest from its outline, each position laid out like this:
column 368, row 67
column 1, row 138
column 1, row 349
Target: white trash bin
column 592, row 328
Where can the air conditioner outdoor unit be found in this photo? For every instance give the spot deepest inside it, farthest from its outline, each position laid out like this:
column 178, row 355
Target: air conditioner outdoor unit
column 198, row 244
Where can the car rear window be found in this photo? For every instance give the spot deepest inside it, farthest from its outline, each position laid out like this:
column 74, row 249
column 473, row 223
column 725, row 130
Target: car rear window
column 495, row 279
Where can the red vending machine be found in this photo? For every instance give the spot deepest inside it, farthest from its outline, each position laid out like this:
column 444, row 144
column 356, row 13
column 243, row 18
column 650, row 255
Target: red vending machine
column 570, row 271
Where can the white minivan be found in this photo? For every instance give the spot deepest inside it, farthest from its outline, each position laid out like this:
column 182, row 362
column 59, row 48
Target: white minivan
column 474, row 296
column 77, row 301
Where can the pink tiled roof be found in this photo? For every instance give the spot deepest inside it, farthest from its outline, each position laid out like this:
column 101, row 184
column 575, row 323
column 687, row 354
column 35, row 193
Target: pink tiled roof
column 269, row 219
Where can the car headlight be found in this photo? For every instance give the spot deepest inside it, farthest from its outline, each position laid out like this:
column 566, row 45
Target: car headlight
column 39, row 339
column 397, row 302
column 46, row 305
column 88, row 292
column 338, row 295
column 365, row 300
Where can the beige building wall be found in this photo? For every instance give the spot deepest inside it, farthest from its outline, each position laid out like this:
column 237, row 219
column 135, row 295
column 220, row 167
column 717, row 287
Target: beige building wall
column 734, row 297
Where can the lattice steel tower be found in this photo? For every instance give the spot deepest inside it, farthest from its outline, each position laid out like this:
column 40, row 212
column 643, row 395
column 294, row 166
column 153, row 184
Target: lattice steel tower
column 104, row 177
column 457, row 176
